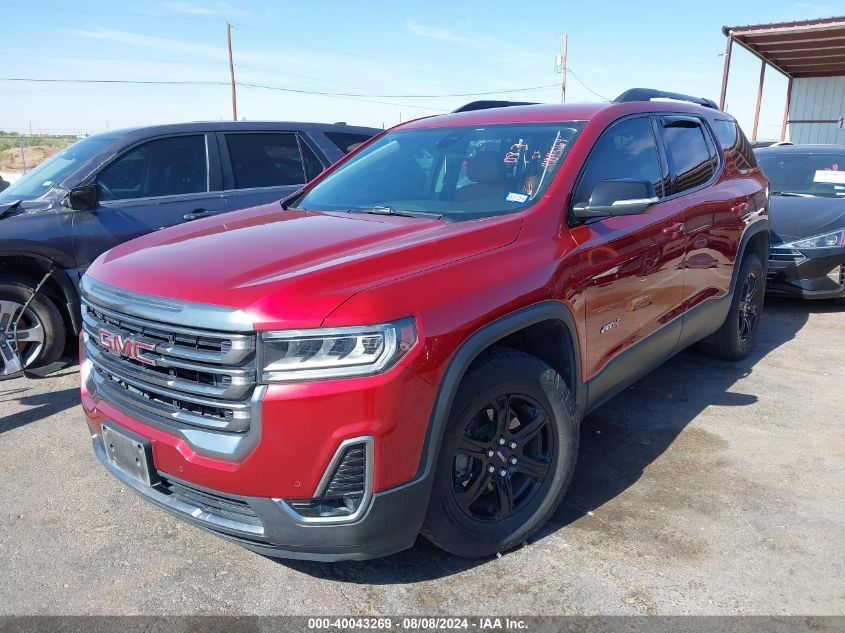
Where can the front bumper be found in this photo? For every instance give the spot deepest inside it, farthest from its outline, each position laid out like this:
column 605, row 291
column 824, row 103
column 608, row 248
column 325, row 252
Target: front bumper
column 816, row 274
column 390, row 524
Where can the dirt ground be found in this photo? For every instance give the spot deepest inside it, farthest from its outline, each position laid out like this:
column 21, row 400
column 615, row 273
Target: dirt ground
column 12, row 160
column 706, row 488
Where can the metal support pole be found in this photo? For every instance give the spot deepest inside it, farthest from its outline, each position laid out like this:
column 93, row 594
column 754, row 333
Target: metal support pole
column 759, row 100
column 232, row 72
column 23, row 154
column 726, row 71
column 786, row 110
column 564, row 55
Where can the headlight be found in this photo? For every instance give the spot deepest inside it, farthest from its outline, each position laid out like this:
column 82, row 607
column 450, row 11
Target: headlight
column 289, row 355
column 828, row 240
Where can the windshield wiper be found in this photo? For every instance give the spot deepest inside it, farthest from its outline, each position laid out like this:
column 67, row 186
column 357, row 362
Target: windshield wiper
column 391, row 211
column 794, row 194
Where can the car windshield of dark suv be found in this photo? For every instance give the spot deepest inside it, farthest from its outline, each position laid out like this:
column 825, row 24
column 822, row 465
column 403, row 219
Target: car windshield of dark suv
column 41, row 179
column 458, row 173
column 799, row 174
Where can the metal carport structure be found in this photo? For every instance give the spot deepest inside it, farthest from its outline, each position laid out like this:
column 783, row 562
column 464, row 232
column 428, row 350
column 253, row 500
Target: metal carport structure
column 809, row 49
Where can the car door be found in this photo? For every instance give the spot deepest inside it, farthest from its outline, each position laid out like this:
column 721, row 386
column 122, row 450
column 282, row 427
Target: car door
column 709, row 206
column 148, row 186
column 631, row 266
column 261, row 167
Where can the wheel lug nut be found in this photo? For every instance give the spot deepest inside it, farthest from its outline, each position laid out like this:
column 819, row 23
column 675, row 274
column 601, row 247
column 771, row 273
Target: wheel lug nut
column 490, row 452
column 501, row 441
column 513, row 461
column 503, row 472
column 491, row 469
column 512, row 445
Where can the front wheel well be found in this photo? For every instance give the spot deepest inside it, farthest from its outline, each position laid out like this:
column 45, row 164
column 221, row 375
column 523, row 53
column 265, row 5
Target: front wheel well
column 759, row 244
column 551, row 342
column 34, row 269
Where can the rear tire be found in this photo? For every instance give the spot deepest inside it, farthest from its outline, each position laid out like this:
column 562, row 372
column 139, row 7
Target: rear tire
column 507, row 456
column 735, row 338
column 41, row 330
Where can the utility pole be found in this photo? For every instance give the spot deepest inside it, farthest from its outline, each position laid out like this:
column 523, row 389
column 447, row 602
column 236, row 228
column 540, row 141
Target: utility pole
column 560, row 65
column 232, row 72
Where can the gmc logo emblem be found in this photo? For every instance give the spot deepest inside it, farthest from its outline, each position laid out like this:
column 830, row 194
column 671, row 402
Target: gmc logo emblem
column 126, row 347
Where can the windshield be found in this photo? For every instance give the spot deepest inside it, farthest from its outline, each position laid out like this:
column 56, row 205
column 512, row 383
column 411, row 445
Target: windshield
column 457, row 172
column 808, row 174
column 39, row 181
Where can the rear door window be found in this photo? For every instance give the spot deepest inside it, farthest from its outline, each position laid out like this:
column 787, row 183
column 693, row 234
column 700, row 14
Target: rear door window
column 691, row 157
column 627, row 150
column 170, row 166
column 347, row 141
column 265, row 160
column 735, row 143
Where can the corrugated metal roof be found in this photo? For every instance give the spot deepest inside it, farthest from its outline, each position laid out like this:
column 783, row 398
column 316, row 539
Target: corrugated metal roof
column 809, row 48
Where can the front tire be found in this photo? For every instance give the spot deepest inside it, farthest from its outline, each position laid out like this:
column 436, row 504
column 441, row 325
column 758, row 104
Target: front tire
column 507, row 456
column 41, row 330
column 735, row 338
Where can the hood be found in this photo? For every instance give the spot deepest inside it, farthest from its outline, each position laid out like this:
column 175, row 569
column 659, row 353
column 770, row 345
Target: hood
column 797, row 218
column 290, row 269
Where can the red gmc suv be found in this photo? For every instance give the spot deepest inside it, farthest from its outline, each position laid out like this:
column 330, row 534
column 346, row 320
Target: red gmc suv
column 409, row 344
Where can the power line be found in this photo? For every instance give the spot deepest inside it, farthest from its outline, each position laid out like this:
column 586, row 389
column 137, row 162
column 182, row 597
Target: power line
column 111, row 59
column 586, row 87
column 271, row 87
column 118, row 81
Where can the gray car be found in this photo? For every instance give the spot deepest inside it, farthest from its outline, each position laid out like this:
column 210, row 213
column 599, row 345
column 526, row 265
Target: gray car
column 112, row 187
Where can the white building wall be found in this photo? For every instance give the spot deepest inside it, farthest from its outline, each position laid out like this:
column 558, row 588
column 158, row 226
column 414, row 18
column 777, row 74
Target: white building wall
column 817, row 99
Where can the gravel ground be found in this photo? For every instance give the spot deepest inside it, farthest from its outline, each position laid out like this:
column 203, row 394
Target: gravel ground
column 706, row 488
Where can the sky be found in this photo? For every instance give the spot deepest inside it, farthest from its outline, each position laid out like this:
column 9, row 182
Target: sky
column 370, row 63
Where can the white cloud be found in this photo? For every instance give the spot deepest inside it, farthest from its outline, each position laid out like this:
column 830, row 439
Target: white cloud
column 445, row 35
column 221, row 9
column 150, row 41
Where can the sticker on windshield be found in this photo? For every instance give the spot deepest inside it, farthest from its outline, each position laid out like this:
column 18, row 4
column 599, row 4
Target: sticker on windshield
column 519, row 198
column 830, row 176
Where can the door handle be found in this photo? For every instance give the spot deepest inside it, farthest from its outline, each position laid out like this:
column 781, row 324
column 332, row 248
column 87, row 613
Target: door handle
column 740, row 208
column 674, row 230
column 196, row 214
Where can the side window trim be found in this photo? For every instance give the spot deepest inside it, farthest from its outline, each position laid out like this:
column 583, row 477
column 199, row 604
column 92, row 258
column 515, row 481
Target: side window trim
column 663, row 157
column 570, row 218
column 305, row 140
column 709, row 141
column 92, row 177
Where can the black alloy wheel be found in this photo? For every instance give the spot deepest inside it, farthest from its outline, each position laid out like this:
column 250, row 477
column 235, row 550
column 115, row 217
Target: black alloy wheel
column 748, row 306
column 507, row 455
column 503, row 458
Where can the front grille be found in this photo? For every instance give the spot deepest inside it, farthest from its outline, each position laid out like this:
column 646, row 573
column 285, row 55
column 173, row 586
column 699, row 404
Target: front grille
column 216, row 504
column 188, row 376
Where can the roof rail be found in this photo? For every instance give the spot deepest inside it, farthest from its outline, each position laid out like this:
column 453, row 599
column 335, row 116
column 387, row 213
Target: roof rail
column 486, row 105
column 647, row 94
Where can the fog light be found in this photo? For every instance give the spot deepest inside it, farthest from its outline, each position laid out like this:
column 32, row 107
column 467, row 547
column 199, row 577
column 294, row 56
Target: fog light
column 345, row 489
column 835, row 275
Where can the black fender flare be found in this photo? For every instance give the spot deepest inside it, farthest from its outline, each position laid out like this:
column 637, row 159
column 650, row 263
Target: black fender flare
column 66, row 284
column 471, row 348
column 755, row 228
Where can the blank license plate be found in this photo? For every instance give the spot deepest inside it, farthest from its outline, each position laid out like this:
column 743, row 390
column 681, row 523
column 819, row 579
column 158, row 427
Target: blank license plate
column 130, row 454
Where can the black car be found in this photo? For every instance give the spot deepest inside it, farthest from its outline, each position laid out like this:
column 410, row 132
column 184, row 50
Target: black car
column 109, row 188
column 807, row 216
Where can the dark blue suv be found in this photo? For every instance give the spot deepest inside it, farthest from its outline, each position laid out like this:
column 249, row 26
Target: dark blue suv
column 112, row 187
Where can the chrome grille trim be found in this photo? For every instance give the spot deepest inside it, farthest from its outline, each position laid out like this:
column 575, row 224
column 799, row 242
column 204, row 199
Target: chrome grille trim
column 170, row 311
column 234, row 348
column 199, row 383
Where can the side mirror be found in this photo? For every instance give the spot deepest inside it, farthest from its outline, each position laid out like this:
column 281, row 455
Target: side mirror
column 617, row 197
column 85, row 198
